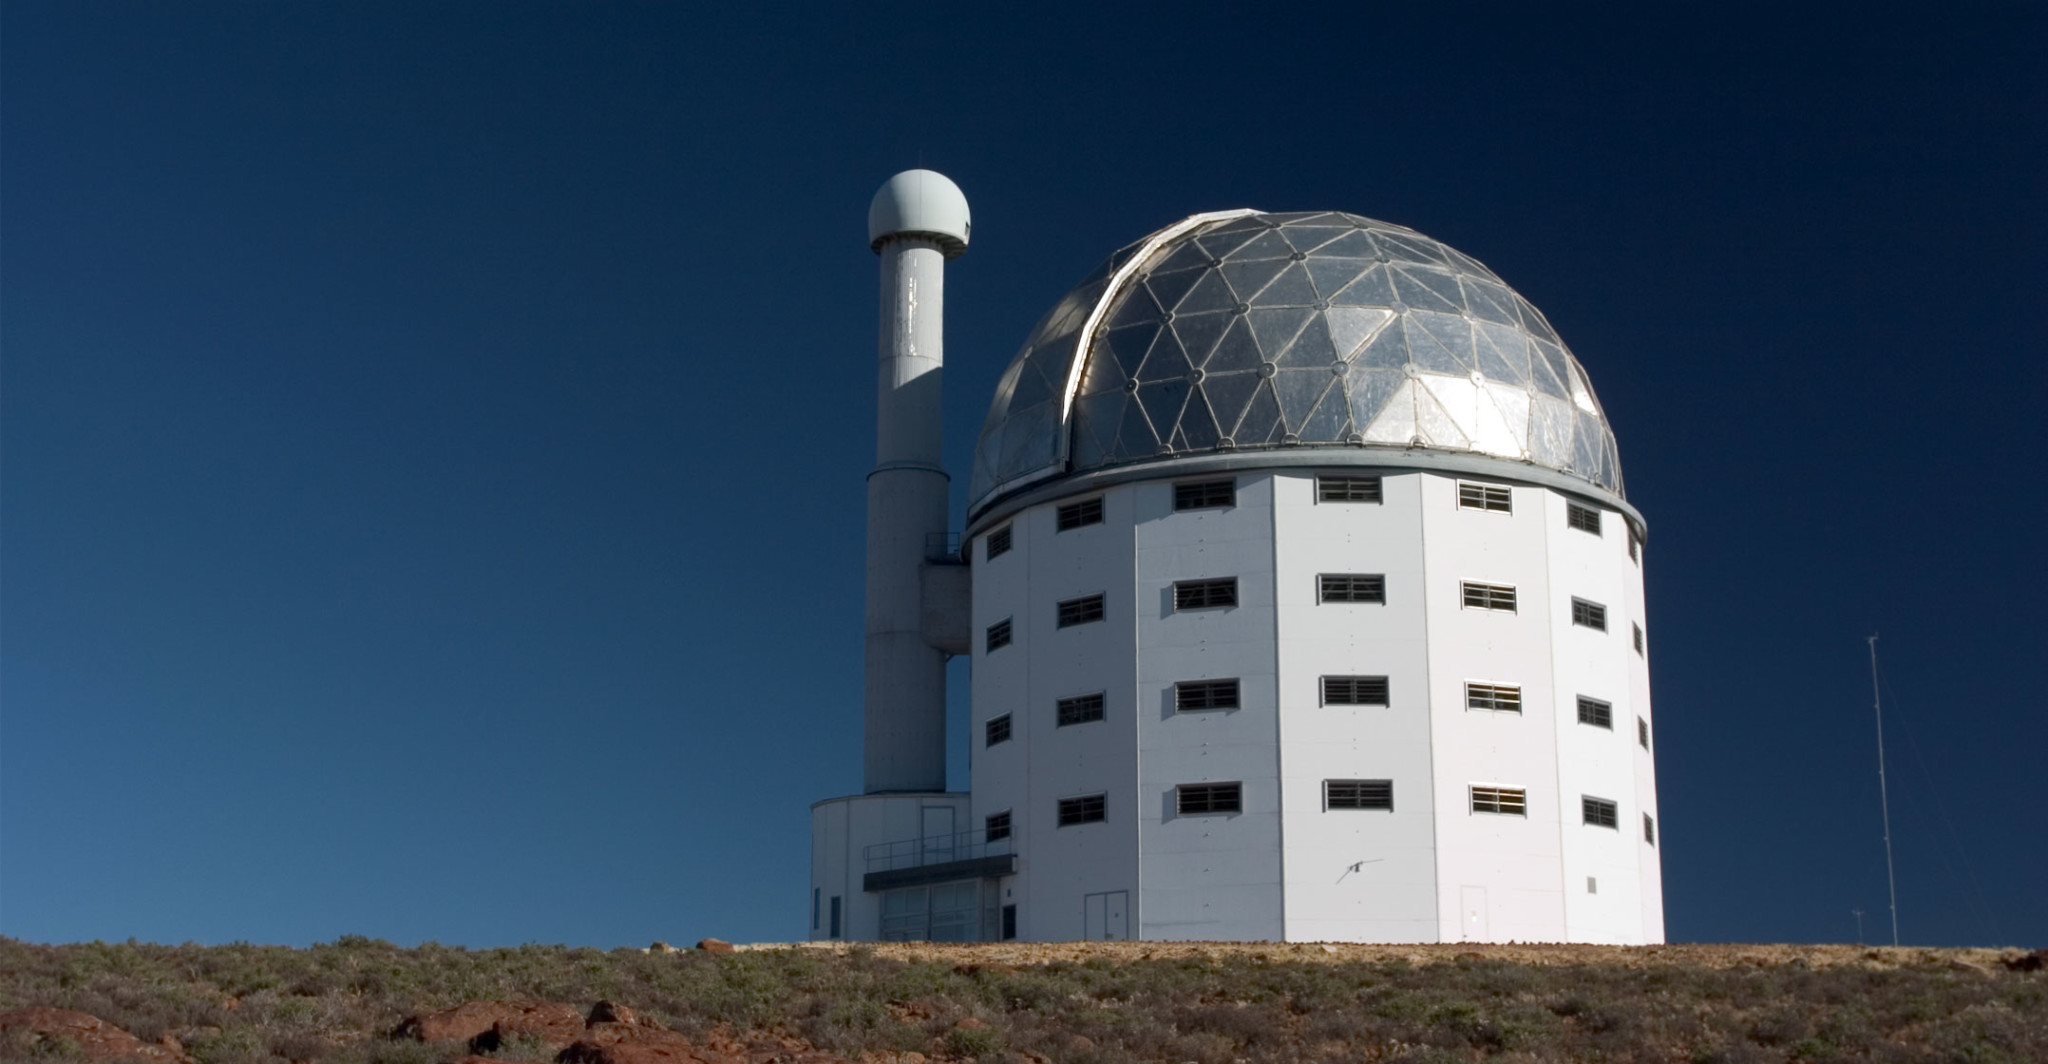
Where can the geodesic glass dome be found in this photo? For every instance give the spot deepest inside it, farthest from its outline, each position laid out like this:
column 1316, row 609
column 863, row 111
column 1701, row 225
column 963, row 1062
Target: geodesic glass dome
column 1241, row 330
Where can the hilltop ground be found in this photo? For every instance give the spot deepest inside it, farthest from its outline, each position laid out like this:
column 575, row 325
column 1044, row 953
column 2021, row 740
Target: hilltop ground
column 360, row 1001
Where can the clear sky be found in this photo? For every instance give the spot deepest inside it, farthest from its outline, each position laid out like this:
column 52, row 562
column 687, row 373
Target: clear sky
column 434, row 434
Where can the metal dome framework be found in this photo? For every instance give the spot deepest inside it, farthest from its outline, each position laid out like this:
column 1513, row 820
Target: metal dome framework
column 1245, row 331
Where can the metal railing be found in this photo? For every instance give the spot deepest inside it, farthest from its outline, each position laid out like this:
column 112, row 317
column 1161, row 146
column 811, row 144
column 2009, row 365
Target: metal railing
column 943, row 548
column 935, row 849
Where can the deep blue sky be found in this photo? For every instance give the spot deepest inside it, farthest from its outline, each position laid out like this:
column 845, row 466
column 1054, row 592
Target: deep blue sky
column 434, row 435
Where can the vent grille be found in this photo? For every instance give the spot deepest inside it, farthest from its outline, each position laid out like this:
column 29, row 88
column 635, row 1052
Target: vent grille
column 1352, row 587
column 1583, row 518
column 1205, row 495
column 997, row 730
column 1205, row 594
column 1595, row 712
column 1643, row 732
column 1600, row 812
column 1485, row 497
column 1589, row 615
column 1079, row 710
column 1195, row 799
column 1639, row 637
column 1649, row 830
column 1507, row 801
column 998, row 636
column 998, row 543
column 1076, row 514
column 1488, row 596
column 1358, row 794
column 1354, row 690
column 1087, row 809
column 1498, row 698
column 1204, row 694
column 1084, row 610
column 1348, row 489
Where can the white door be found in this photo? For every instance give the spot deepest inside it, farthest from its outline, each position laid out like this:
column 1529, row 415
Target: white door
column 1474, row 907
column 938, row 834
column 1106, row 917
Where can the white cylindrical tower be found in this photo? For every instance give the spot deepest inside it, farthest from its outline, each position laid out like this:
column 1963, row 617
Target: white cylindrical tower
column 917, row 221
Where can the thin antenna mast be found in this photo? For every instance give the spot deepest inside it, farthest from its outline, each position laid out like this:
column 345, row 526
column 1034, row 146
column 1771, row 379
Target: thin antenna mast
column 1883, row 797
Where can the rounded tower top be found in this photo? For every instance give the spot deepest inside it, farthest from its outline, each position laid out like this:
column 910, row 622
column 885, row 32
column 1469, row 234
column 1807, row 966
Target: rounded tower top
column 920, row 203
column 1336, row 338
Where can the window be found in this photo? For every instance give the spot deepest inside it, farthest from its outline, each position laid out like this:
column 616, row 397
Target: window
column 1635, row 546
column 1599, row 812
column 1358, row 794
column 1498, row 698
column 998, row 542
column 1351, row 587
column 1009, row 922
column 1205, row 495
column 1204, row 694
column 1592, row 885
column 1087, row 809
column 1643, row 732
column 1649, row 830
column 1196, row 799
column 834, row 933
column 1079, row 710
column 1639, row 637
column 1076, row 514
column 1204, row 594
column 998, row 636
column 1589, row 615
column 1084, row 610
column 1595, row 712
column 1583, row 518
column 1354, row 690
column 996, row 827
column 1488, row 596
column 1507, row 801
column 1485, row 497
column 815, row 904
column 1347, row 489
column 997, row 730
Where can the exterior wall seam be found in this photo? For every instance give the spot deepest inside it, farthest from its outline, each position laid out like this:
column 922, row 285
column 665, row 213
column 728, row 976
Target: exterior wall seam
column 1550, row 650
column 1437, row 814
column 1279, row 719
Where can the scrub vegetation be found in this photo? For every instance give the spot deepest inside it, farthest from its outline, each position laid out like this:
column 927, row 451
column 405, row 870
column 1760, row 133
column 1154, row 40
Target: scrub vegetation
column 1211, row 1003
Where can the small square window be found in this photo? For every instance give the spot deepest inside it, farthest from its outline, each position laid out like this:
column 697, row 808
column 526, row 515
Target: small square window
column 1079, row 710
column 1205, row 594
column 1204, row 694
column 1589, row 615
column 1354, row 690
column 998, row 543
column 1506, row 801
column 1086, row 809
column 1076, row 514
column 1351, row 587
column 997, row 730
column 996, row 827
column 1583, row 518
column 1084, row 610
column 1639, row 637
column 1358, row 794
column 1643, row 732
column 1488, row 596
column 1485, row 497
column 1595, row 712
column 998, row 636
column 1205, row 495
column 1497, row 698
column 1649, row 830
column 1592, row 885
column 1197, row 799
column 1599, row 812
column 1348, row 489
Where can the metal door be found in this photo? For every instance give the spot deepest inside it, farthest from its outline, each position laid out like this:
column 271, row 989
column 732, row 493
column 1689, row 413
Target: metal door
column 1105, row 917
column 1474, row 907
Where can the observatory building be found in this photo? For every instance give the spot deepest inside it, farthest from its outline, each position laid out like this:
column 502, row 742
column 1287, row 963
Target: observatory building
column 1302, row 600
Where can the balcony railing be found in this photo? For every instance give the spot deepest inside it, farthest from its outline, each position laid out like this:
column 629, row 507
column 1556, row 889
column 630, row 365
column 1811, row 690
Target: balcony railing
column 943, row 548
column 934, row 850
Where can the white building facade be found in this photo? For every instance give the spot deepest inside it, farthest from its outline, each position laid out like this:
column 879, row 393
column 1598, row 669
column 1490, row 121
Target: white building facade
column 1303, row 604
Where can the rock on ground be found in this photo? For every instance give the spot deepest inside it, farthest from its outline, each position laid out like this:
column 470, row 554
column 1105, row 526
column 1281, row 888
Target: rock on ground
column 43, row 1030
column 487, row 1025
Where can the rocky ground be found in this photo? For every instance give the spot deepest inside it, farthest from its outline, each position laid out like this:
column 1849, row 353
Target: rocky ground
column 360, row 1001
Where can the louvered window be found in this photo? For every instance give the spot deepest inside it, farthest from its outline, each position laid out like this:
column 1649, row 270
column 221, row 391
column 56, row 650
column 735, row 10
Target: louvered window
column 1079, row 710
column 1488, row 596
column 1599, row 812
column 1204, row 694
column 1485, row 497
column 1643, row 732
column 1354, row 690
column 1084, row 610
column 1639, row 637
column 1347, row 489
column 997, row 730
column 1352, row 587
column 1649, row 830
column 1087, row 809
column 1086, row 512
column 1507, row 801
column 996, row 827
column 1358, row 794
column 1595, row 712
column 1589, row 615
column 1196, row 799
column 1498, row 698
column 1205, row 594
column 998, row 542
column 1635, row 547
column 1205, row 495
column 1583, row 518
column 998, row 636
